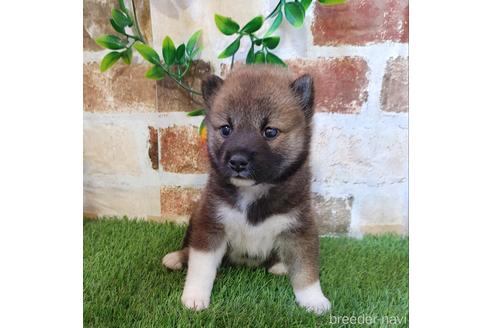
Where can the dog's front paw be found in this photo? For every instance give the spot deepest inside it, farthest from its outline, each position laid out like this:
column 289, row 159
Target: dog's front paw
column 196, row 303
column 317, row 305
column 312, row 299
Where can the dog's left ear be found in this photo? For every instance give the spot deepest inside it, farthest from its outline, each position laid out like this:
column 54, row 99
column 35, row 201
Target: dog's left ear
column 210, row 86
column 303, row 88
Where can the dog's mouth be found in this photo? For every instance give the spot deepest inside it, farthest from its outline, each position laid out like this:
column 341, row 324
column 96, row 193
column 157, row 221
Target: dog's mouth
column 246, row 174
column 242, row 182
column 241, row 179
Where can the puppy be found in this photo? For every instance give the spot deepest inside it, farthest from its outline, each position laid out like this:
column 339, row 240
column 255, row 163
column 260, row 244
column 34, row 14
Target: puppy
column 255, row 208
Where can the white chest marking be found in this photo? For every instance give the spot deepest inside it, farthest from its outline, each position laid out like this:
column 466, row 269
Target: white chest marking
column 252, row 244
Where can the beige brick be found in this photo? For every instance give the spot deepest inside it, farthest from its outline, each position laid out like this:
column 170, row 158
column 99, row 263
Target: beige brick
column 143, row 15
column 113, row 201
column 384, row 209
column 379, row 229
column 96, row 21
column 333, row 214
column 371, row 156
column 122, row 88
column 110, row 149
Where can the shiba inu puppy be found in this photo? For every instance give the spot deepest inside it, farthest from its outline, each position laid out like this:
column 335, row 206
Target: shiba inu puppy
column 255, row 208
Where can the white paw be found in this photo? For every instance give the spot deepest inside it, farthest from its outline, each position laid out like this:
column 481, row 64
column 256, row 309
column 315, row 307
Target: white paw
column 312, row 299
column 195, row 303
column 318, row 306
column 278, row 269
column 173, row 260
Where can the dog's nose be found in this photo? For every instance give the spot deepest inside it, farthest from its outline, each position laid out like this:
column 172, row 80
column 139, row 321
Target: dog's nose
column 238, row 162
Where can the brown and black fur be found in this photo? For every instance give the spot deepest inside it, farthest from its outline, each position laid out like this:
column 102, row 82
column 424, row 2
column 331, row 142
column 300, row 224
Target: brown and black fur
column 250, row 99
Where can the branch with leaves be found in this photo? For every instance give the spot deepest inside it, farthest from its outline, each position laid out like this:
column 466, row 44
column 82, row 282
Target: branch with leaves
column 229, row 27
column 294, row 12
column 176, row 61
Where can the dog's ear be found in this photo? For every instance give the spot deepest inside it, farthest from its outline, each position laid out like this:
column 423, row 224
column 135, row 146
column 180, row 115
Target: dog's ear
column 303, row 88
column 210, row 85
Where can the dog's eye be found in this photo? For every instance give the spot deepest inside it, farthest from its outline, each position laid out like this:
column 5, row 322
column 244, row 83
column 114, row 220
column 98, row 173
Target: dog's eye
column 270, row 133
column 225, row 130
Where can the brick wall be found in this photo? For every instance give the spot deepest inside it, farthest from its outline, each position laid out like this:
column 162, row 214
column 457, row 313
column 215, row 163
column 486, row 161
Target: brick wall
column 142, row 154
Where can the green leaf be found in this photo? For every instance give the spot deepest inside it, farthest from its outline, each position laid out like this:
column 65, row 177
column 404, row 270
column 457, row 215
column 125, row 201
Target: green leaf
column 190, row 46
column 226, row 25
column 109, row 60
column 276, row 23
column 294, row 12
column 306, row 3
column 260, row 57
column 195, row 52
column 331, row 2
column 120, row 17
column 231, row 49
column 147, row 53
column 197, row 112
column 110, row 42
column 127, row 55
column 155, row 73
column 250, row 58
column 253, row 25
column 122, row 4
column 116, row 27
column 271, row 42
column 123, row 8
column 258, row 42
column 168, row 50
column 272, row 59
column 180, row 51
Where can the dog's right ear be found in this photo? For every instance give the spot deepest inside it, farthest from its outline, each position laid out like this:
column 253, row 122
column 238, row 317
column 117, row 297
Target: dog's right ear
column 210, row 87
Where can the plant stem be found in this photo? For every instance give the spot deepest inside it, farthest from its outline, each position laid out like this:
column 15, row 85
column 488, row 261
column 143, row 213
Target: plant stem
column 179, row 82
column 185, row 86
column 128, row 46
column 274, row 10
column 137, row 27
column 232, row 61
column 135, row 38
column 187, row 66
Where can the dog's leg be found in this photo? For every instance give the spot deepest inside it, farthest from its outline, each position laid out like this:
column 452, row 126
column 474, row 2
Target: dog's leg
column 202, row 269
column 300, row 255
column 278, row 269
column 176, row 260
column 274, row 265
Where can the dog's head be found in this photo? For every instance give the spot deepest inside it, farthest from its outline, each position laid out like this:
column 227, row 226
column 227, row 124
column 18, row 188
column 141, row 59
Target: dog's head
column 259, row 124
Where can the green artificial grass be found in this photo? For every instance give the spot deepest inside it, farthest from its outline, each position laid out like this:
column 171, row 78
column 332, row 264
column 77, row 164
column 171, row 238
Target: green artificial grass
column 126, row 286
